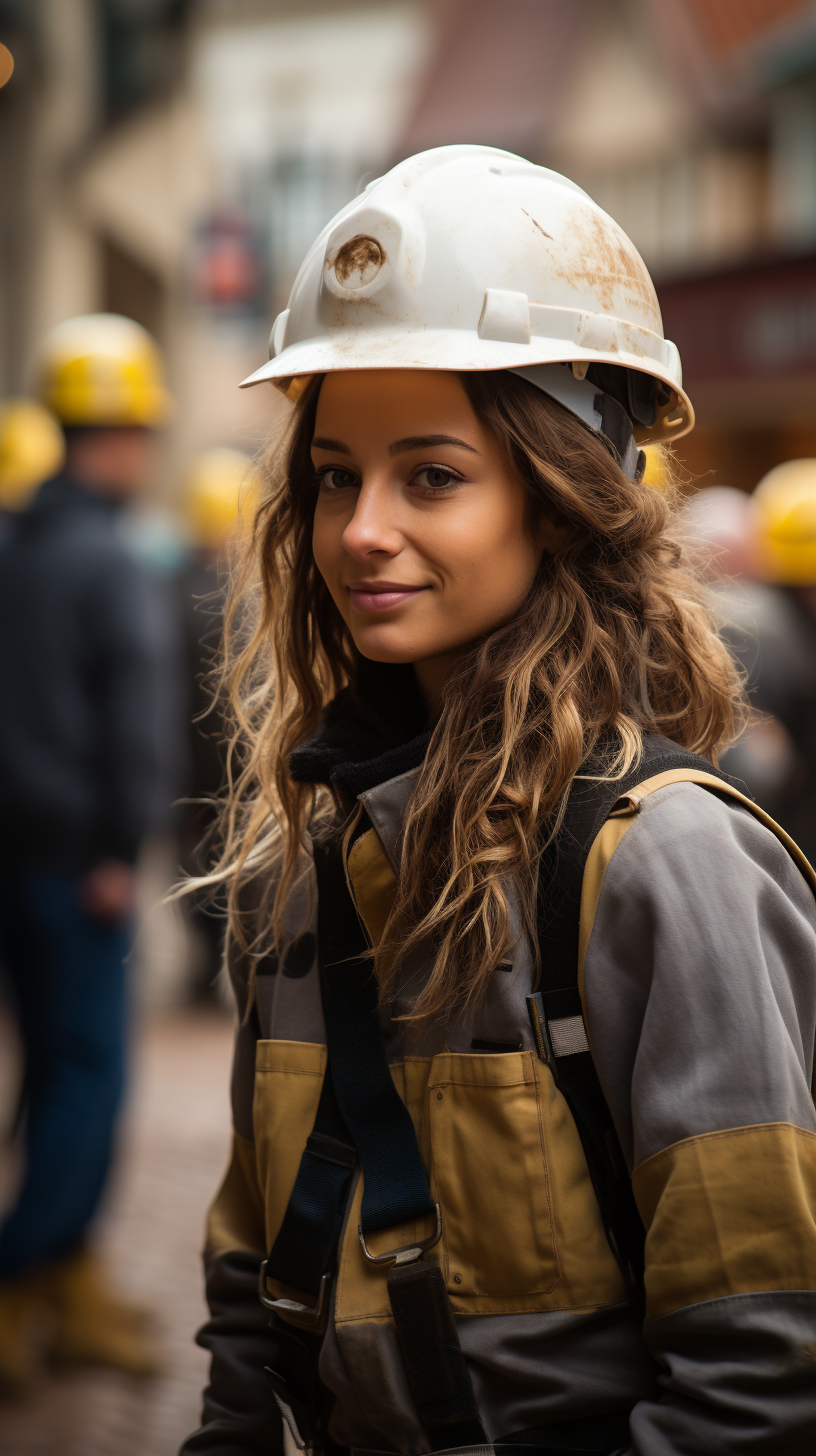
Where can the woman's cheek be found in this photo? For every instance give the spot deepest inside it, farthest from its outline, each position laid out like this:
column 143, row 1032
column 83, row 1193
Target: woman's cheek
column 323, row 552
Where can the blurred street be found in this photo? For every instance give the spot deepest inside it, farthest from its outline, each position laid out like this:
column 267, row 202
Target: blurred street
column 173, row 1151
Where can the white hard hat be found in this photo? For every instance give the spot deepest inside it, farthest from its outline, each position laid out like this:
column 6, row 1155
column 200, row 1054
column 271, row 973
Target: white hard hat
column 470, row 258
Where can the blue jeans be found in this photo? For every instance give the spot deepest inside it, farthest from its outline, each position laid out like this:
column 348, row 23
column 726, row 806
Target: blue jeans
column 69, row 991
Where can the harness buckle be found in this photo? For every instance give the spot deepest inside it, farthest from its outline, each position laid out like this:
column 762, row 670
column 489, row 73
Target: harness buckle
column 409, row 1253
column 312, row 1314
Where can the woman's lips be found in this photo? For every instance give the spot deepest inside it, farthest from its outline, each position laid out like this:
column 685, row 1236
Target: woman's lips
column 370, row 598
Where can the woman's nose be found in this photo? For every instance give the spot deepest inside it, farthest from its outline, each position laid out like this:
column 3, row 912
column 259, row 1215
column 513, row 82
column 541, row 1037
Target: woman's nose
column 373, row 525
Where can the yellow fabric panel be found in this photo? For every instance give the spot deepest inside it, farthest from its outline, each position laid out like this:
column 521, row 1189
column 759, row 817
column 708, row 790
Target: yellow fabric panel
column 373, row 883
column 728, row 1213
column 521, row 1224
column 236, row 1216
column 288, row 1079
column 603, row 847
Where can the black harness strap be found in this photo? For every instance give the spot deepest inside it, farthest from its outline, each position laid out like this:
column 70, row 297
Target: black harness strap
column 395, row 1188
column 303, row 1252
column 437, row 1374
column 360, row 1110
column 358, row 1093
column 556, row 1012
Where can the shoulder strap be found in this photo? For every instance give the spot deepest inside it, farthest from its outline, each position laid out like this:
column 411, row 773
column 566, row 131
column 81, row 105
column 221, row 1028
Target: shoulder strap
column 592, row 802
column 620, row 820
column 361, row 1112
column 556, row 1010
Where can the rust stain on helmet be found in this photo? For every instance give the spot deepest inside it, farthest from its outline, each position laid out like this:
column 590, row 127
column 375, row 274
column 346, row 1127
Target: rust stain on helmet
column 607, row 261
column 358, row 262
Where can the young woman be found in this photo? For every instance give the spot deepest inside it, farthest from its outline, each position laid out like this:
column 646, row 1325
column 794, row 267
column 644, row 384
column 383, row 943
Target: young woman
column 522, row 980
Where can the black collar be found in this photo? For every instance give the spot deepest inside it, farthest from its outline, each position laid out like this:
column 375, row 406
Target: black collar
column 372, row 731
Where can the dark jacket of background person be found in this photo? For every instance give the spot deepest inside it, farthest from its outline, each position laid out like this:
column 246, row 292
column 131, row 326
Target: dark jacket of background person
column 88, row 736
column 772, row 635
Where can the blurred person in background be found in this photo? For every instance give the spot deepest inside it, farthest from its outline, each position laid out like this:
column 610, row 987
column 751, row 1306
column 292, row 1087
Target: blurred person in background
column 760, row 557
column 784, row 504
column 84, row 665
column 217, row 494
column 721, row 521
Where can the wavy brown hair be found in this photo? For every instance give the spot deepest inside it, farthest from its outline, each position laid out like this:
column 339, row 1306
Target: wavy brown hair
column 614, row 640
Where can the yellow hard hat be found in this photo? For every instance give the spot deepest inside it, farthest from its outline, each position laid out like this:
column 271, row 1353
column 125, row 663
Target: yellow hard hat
column 785, row 502
column 221, row 488
column 31, row 449
column 103, row 369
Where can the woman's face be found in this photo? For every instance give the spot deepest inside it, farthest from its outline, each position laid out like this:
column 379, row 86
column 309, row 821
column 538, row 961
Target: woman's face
column 420, row 528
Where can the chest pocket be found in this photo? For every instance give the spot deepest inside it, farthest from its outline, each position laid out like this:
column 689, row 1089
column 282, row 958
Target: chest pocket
column 521, row 1228
column 489, row 1170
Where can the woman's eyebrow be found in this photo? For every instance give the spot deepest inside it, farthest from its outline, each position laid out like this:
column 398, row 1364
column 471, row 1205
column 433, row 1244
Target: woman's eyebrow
column 426, row 442
column 399, row 447
column 320, row 442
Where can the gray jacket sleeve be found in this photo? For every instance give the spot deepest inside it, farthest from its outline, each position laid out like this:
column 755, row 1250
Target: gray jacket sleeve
column 700, row 985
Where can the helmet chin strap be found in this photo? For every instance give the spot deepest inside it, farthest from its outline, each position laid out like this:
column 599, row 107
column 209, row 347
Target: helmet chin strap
column 599, row 411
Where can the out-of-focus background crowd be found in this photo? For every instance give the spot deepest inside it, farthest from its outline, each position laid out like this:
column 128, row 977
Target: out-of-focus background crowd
column 168, row 162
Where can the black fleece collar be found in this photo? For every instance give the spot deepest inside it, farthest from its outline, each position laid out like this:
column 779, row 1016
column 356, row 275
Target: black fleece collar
column 371, row 732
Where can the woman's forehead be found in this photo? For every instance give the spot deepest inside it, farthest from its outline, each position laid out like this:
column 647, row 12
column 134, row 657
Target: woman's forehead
column 377, row 402
column 405, row 386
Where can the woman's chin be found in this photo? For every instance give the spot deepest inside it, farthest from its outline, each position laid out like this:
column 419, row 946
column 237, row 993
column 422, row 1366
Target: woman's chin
column 383, row 646
column 375, row 653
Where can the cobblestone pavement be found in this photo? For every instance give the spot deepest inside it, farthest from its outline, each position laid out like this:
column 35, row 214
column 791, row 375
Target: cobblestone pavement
column 174, row 1149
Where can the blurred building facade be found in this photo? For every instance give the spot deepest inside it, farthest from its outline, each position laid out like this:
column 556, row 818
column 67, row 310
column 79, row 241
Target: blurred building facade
column 172, row 160
column 693, row 122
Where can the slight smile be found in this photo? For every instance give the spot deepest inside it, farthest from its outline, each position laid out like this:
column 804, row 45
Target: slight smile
column 379, row 596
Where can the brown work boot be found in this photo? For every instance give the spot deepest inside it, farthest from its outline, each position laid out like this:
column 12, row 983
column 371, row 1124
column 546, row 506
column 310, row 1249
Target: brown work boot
column 25, row 1325
column 94, row 1326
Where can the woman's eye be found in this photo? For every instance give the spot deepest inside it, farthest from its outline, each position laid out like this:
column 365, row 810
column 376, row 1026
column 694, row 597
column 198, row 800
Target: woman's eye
column 436, row 477
column 334, row 478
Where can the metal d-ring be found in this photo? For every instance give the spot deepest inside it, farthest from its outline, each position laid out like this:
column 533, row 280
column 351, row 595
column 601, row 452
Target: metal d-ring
column 409, row 1252
column 313, row 1313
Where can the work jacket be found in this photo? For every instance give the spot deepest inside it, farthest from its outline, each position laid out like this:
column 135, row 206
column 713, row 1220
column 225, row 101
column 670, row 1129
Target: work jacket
column 699, row 992
column 91, row 725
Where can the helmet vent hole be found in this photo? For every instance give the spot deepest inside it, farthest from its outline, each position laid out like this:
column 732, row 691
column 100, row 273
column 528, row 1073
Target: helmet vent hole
column 358, row 262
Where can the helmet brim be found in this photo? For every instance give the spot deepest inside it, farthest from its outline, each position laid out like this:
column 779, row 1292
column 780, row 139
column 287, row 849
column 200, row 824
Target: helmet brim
column 461, row 351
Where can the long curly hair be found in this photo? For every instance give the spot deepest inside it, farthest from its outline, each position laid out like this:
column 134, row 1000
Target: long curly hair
column 614, row 640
